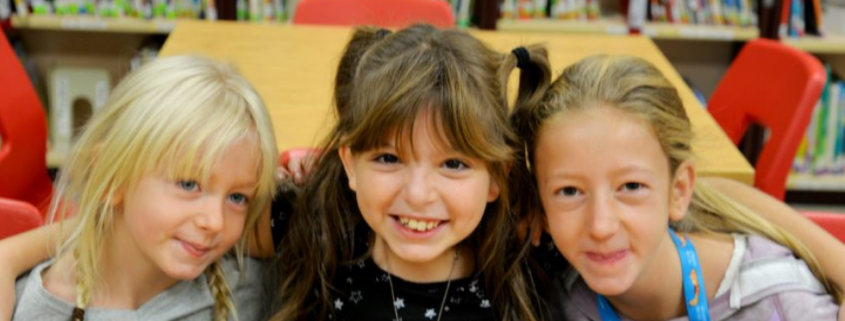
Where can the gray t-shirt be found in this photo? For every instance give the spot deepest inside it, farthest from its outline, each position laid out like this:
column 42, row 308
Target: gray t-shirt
column 763, row 282
column 186, row 300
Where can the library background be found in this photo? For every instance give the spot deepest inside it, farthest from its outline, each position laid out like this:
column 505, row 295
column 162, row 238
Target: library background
column 75, row 51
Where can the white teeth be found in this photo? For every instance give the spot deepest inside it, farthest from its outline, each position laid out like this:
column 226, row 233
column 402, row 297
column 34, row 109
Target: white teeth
column 418, row 225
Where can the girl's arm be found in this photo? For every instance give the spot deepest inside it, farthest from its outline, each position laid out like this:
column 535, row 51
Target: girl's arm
column 827, row 249
column 19, row 254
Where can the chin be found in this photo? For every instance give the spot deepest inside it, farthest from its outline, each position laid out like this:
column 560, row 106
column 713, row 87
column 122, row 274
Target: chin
column 607, row 286
column 185, row 272
column 417, row 254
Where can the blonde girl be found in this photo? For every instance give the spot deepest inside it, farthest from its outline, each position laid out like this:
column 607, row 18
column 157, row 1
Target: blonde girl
column 405, row 215
column 609, row 154
column 162, row 184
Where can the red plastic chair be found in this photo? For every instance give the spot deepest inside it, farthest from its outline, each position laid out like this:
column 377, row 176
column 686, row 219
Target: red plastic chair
column 23, row 130
column 383, row 13
column 17, row 217
column 776, row 86
column 833, row 223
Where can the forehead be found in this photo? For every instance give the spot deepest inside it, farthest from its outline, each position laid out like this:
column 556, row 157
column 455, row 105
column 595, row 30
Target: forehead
column 426, row 131
column 237, row 161
column 593, row 139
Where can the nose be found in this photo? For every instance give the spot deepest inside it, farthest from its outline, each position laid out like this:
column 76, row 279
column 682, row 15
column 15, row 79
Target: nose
column 604, row 219
column 210, row 216
column 419, row 187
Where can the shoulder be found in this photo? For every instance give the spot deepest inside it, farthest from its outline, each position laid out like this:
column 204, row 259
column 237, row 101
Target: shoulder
column 34, row 302
column 771, row 280
column 246, row 280
column 572, row 299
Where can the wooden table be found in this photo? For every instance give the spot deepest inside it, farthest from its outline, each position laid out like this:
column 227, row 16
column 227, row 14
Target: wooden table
column 292, row 67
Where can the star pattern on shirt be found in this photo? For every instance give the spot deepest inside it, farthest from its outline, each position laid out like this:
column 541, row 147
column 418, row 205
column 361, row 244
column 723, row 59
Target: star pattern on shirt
column 338, row 304
column 356, row 296
column 399, row 303
column 430, row 314
column 485, row 303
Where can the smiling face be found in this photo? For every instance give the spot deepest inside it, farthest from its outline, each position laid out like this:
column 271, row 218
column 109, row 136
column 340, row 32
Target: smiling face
column 421, row 203
column 606, row 188
column 180, row 226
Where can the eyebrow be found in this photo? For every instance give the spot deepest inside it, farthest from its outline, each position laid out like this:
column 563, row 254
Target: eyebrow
column 618, row 172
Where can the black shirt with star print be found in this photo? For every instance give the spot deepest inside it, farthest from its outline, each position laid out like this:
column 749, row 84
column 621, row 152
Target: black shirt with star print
column 363, row 291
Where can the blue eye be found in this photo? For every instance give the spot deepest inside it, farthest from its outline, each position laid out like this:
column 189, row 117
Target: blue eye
column 387, row 159
column 187, row 185
column 455, row 164
column 238, row 198
column 632, row 186
column 568, row 191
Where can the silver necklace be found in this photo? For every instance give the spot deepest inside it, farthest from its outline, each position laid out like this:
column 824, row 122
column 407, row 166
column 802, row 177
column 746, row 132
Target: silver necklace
column 445, row 294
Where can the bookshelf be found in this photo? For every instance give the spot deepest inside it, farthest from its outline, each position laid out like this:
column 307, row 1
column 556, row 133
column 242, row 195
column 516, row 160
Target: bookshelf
column 94, row 24
column 615, row 25
column 829, row 44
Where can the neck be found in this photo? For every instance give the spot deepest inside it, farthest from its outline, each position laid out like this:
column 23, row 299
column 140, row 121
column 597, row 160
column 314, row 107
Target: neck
column 129, row 278
column 435, row 270
column 126, row 279
column 659, row 287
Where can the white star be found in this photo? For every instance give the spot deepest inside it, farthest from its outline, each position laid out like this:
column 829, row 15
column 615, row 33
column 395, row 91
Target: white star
column 356, row 296
column 430, row 314
column 338, row 304
column 485, row 303
column 399, row 303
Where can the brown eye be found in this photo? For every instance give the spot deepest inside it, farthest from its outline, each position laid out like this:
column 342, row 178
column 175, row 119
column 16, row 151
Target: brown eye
column 568, row 191
column 455, row 164
column 632, row 186
column 387, row 159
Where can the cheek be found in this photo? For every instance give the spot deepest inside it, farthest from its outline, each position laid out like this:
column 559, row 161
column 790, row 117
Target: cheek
column 234, row 229
column 565, row 229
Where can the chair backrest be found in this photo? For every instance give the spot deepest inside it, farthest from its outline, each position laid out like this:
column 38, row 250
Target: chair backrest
column 17, row 217
column 776, row 86
column 833, row 223
column 383, row 13
column 23, row 131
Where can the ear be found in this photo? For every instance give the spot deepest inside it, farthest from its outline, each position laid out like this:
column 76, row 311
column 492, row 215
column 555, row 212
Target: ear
column 494, row 191
column 348, row 161
column 683, row 186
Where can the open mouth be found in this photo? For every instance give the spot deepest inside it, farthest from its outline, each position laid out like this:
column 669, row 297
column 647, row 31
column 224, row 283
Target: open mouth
column 418, row 225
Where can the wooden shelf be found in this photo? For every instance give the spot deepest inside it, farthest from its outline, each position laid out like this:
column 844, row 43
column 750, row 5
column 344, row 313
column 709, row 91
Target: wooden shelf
column 805, row 182
column 616, row 26
column 609, row 25
column 829, row 44
column 699, row 32
column 81, row 23
column 55, row 159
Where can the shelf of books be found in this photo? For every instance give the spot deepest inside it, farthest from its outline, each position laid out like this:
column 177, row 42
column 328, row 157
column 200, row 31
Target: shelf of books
column 828, row 44
column 90, row 23
column 605, row 25
column 662, row 19
column 819, row 164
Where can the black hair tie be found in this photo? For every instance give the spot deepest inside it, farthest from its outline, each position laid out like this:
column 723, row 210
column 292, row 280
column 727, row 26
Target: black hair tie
column 78, row 314
column 523, row 58
column 382, row 33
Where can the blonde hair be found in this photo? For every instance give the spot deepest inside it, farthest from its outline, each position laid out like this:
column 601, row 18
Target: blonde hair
column 385, row 81
column 177, row 114
column 634, row 85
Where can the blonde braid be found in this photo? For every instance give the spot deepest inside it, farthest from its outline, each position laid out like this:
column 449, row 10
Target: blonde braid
column 83, row 287
column 220, row 292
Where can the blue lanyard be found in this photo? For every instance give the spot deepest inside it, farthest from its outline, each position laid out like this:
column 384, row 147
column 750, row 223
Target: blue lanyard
column 694, row 293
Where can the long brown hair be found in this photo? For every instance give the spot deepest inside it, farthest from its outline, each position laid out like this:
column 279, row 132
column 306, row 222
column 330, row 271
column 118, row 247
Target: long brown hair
column 384, row 81
column 636, row 86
